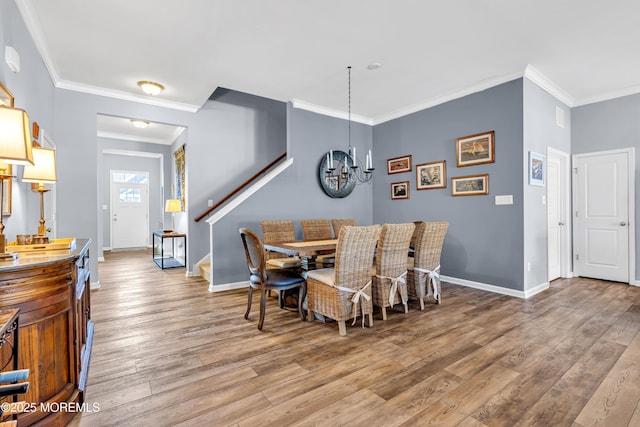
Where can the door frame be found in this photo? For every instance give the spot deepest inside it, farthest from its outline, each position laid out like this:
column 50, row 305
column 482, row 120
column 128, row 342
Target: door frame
column 566, row 240
column 631, row 191
column 111, row 187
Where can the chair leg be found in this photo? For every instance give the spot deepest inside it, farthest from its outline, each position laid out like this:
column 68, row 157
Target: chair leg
column 246, row 314
column 342, row 328
column 384, row 313
column 406, row 308
column 302, row 292
column 263, row 306
column 422, row 304
column 370, row 319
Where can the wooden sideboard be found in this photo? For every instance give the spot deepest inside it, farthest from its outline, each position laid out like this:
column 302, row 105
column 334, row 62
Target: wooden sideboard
column 56, row 331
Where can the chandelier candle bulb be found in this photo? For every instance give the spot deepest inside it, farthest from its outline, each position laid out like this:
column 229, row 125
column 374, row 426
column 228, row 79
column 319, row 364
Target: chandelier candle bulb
column 353, row 157
column 331, row 159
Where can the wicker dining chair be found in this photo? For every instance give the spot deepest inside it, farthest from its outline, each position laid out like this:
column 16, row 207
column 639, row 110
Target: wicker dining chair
column 337, row 224
column 342, row 292
column 389, row 281
column 265, row 279
column 423, row 277
column 319, row 229
column 278, row 232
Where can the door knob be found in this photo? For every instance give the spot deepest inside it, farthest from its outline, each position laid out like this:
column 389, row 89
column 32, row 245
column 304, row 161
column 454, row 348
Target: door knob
column 622, row 224
column 561, row 223
column 48, row 229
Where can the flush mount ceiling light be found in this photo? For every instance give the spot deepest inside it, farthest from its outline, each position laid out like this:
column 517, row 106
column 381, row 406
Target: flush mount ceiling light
column 374, row 66
column 150, row 88
column 140, row 124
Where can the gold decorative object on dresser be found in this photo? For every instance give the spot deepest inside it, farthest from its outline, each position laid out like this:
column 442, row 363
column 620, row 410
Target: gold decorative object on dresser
column 56, row 331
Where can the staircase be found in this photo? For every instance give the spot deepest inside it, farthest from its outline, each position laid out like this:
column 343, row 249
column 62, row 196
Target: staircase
column 233, row 200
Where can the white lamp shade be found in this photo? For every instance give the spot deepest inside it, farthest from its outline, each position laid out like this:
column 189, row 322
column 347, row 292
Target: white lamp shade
column 173, row 205
column 44, row 167
column 15, row 137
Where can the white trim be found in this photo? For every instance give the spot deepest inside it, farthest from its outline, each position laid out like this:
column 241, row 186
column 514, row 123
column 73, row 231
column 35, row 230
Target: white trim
column 94, row 285
column 136, row 138
column 548, row 85
column 100, row 259
column 635, row 283
column 632, row 204
column 228, row 286
column 536, row 290
column 132, row 153
column 609, row 96
column 565, row 256
column 484, row 286
column 249, row 192
column 331, row 112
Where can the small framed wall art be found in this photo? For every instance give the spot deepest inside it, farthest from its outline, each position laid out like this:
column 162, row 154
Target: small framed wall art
column 399, row 165
column 536, row 168
column 472, row 185
column 399, row 190
column 431, row 175
column 475, row 149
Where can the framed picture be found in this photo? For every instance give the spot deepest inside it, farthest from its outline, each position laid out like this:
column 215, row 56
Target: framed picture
column 536, row 168
column 475, row 149
column 431, row 175
column 400, row 190
column 399, row 165
column 6, row 169
column 472, row 185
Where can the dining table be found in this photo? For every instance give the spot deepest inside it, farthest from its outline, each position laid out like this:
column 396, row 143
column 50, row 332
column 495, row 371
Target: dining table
column 307, row 250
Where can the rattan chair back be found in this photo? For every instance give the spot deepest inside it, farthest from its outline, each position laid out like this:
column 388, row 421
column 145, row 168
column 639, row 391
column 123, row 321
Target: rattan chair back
column 354, row 255
column 337, row 224
column 277, row 232
column 391, row 266
column 428, row 248
column 316, row 229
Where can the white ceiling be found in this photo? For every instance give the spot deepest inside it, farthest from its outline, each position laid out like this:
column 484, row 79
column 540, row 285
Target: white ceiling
column 292, row 50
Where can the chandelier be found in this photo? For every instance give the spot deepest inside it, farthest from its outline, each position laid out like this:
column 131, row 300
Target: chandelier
column 350, row 168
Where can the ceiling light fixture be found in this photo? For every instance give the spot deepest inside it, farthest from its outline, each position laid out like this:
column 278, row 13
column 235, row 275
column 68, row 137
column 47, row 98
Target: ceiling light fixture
column 150, row 88
column 140, row 124
column 374, row 66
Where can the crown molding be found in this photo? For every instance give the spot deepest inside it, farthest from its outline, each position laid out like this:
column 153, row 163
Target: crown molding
column 486, row 84
column 339, row 114
column 548, row 85
column 31, row 22
column 126, row 96
column 129, row 137
column 633, row 90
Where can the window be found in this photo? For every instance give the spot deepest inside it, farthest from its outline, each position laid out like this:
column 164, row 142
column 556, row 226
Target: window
column 130, row 195
column 133, row 178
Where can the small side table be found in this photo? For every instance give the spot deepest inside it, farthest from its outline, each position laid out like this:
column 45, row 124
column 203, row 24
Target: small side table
column 169, row 249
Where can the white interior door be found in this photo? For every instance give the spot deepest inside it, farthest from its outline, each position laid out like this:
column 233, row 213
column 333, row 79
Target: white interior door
column 50, row 196
column 603, row 206
column 557, row 221
column 129, row 209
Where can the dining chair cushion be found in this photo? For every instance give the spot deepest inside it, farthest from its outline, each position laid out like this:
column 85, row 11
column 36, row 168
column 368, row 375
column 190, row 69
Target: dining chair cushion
column 284, row 262
column 278, row 278
column 324, row 275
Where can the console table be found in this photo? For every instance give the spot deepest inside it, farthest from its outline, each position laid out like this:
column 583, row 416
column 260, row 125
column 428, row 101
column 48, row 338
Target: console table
column 56, row 331
column 169, row 249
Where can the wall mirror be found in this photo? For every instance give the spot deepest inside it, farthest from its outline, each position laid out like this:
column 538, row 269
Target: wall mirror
column 6, row 98
column 338, row 183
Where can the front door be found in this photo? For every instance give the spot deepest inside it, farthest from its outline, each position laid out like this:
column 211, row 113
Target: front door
column 129, row 209
column 602, row 212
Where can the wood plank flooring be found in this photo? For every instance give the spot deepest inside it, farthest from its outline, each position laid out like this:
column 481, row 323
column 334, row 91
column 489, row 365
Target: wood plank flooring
column 169, row 353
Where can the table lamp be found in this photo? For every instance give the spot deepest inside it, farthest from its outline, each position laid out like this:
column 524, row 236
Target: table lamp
column 42, row 172
column 173, row 206
column 15, row 148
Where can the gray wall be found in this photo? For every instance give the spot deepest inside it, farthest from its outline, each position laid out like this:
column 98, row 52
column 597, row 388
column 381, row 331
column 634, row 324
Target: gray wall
column 296, row 193
column 240, row 134
column 610, row 125
column 484, row 241
column 33, row 92
column 158, row 181
column 540, row 132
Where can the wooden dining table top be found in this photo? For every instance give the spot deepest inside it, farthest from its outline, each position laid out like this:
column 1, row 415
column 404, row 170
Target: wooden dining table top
column 303, row 248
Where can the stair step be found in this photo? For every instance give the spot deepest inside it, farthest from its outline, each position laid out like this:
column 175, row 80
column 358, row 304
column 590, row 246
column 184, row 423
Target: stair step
column 205, row 270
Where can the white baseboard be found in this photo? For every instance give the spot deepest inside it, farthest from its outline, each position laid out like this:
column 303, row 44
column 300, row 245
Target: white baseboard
column 484, row 286
column 94, row 285
column 540, row 288
column 108, row 249
column 100, row 259
column 635, row 283
column 228, row 286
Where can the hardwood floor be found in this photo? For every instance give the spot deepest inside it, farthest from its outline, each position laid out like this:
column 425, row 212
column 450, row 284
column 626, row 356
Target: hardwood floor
column 167, row 352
